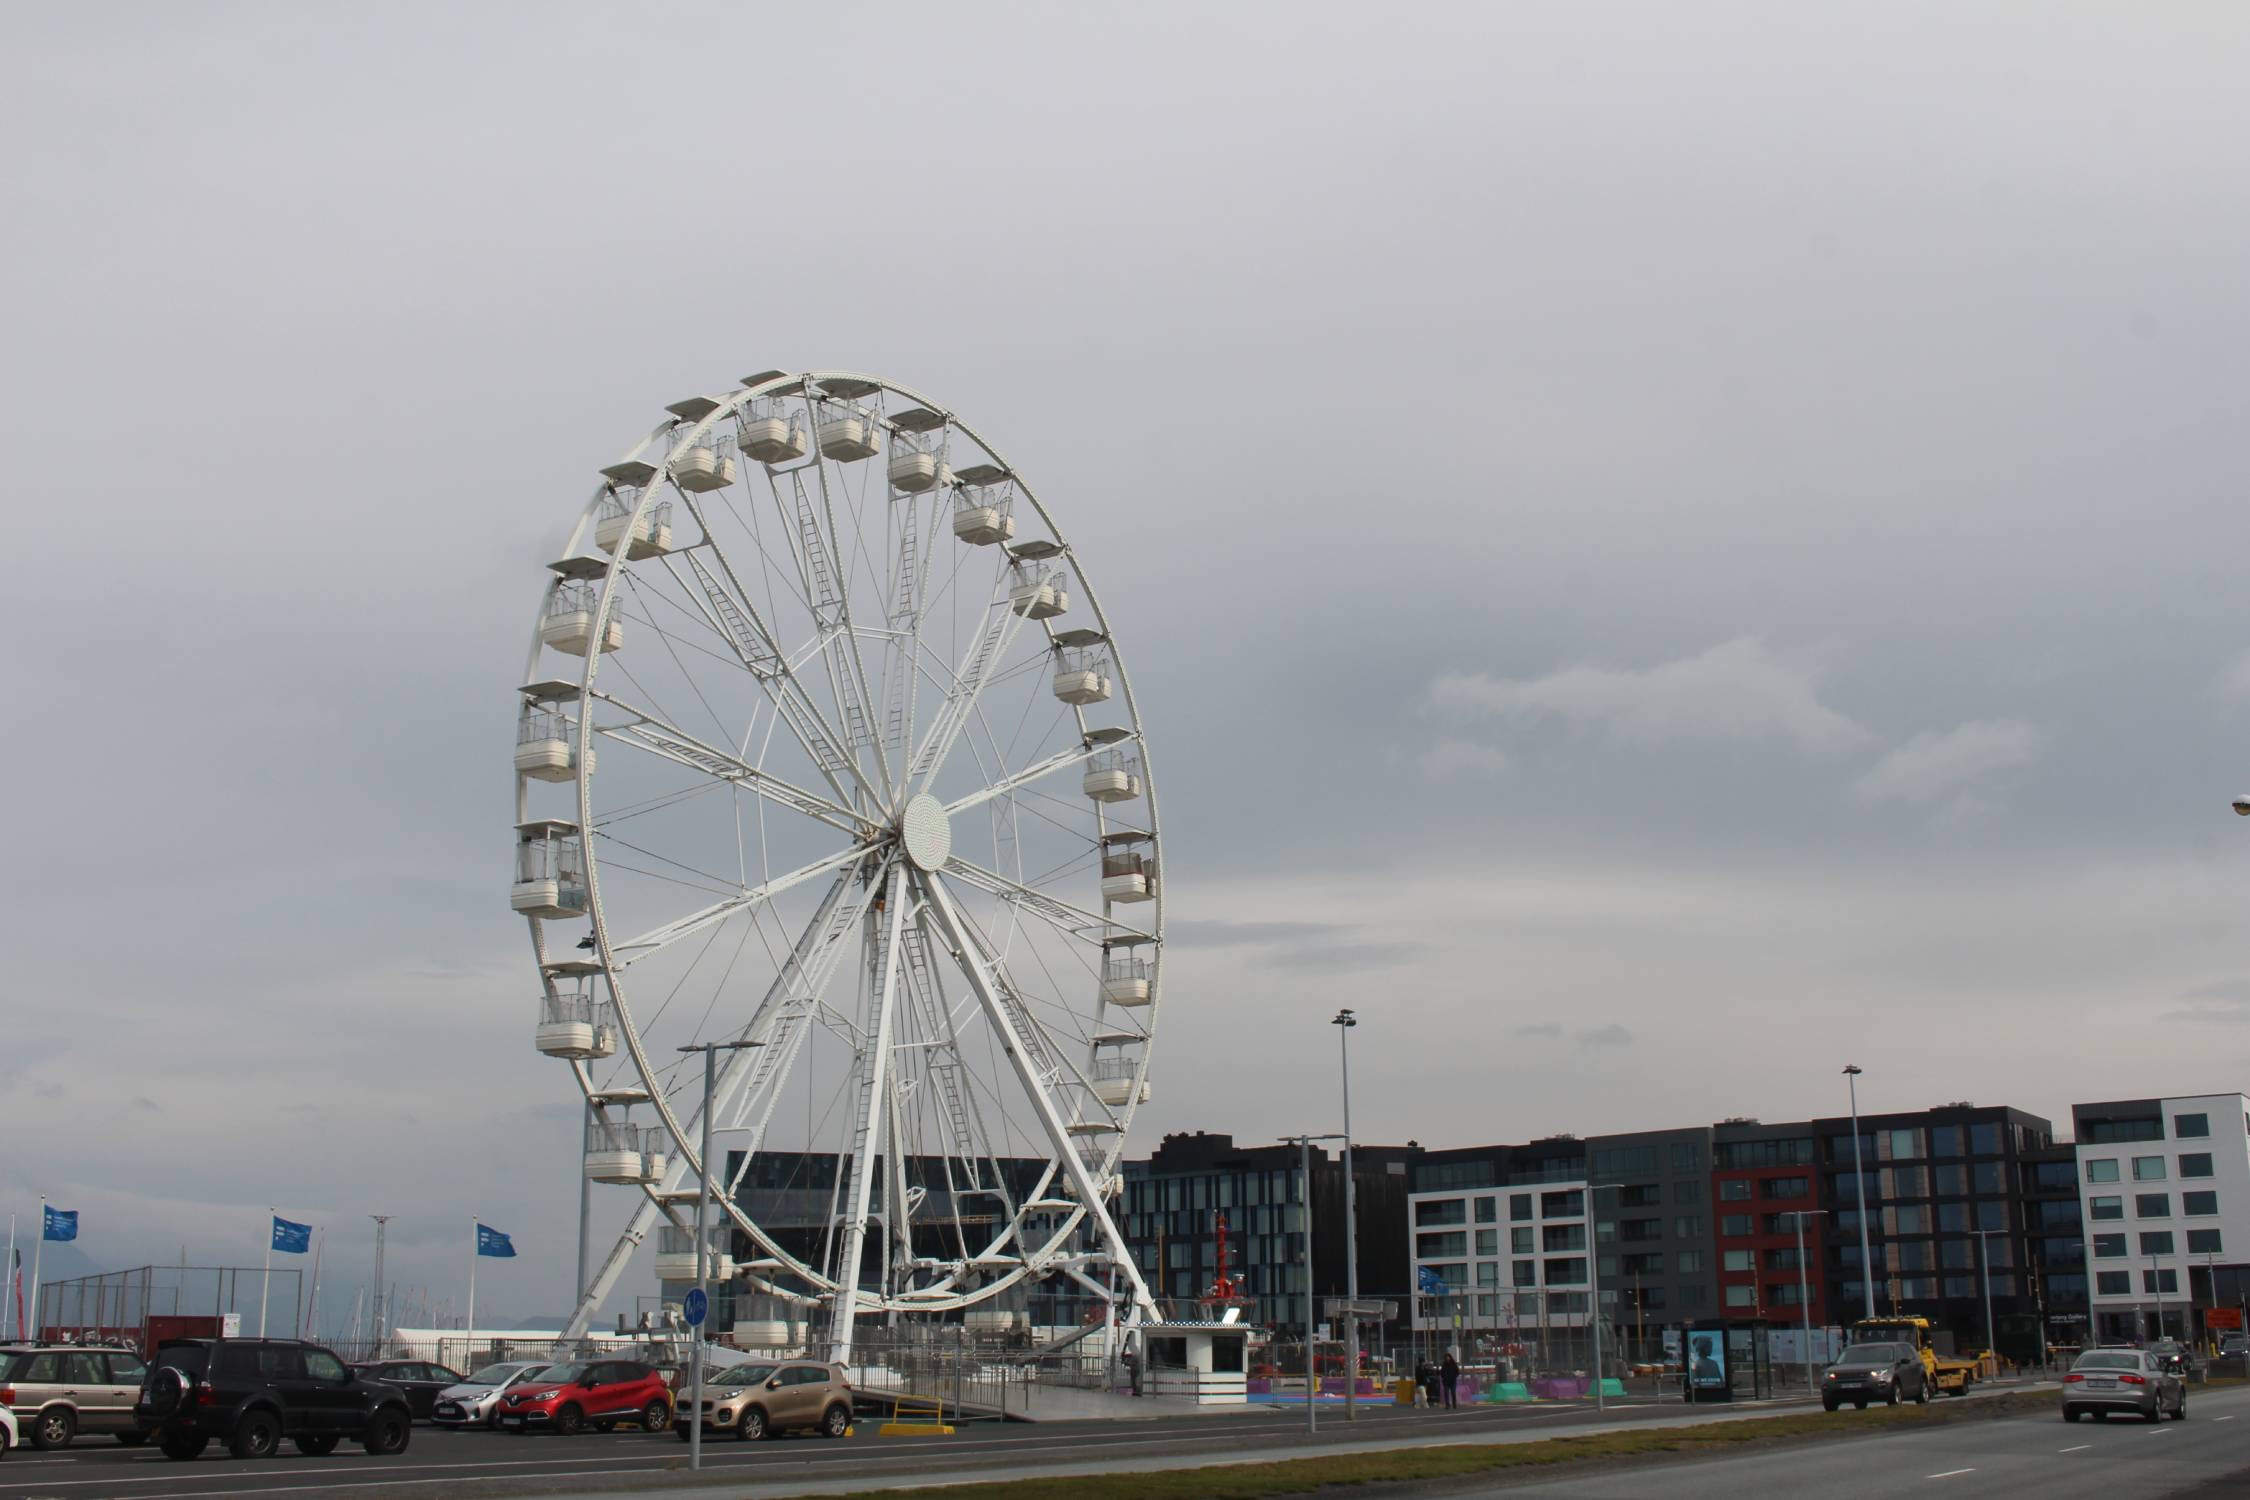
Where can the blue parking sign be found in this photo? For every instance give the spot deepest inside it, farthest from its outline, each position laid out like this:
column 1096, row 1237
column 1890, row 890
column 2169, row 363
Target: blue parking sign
column 695, row 1307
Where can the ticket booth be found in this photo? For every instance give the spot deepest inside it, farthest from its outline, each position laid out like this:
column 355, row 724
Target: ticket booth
column 1208, row 1363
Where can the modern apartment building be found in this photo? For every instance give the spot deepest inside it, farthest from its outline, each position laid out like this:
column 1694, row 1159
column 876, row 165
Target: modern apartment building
column 1175, row 1198
column 2165, row 1191
column 1771, row 1228
column 1506, row 1230
column 1654, row 1221
column 2057, row 1223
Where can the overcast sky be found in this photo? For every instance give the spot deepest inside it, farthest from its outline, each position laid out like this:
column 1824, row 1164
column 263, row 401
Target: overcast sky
column 1663, row 548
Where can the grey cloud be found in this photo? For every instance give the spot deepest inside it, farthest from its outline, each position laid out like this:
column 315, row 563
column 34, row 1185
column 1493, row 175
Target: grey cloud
column 1346, row 957
column 1932, row 764
column 1212, row 933
column 1612, row 1035
column 2226, row 1001
column 1536, row 1029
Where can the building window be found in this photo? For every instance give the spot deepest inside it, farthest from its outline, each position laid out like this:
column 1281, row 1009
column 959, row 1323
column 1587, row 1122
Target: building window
column 1561, row 1205
column 1783, row 1260
column 1989, row 1177
column 1488, row 1210
column 1984, row 1139
column 2103, row 1169
column 1687, row 1227
column 1642, row 1265
column 1687, row 1262
column 1563, row 1237
column 1899, row 1145
column 2152, row 1205
column 1953, row 1218
column 2112, row 1207
column 1519, row 1206
column 1992, row 1213
column 1906, row 1182
column 2114, row 1283
column 1687, row 1190
column 2199, row 1205
column 2148, row 1169
column 1686, row 1156
column 1639, row 1231
column 2103, row 1132
column 1951, row 1180
column 2204, row 1242
column 2187, row 1127
column 1526, row 1273
column 1488, row 1242
column 1734, row 1190
column 2195, row 1163
column 1488, row 1274
column 1782, row 1294
column 1740, row 1260
column 1441, row 1211
column 1741, row 1296
column 1908, row 1218
column 2109, row 1246
column 1641, row 1195
column 1733, row 1226
column 1567, row 1272
column 1787, row 1187
column 1945, row 1140
column 2167, row 1282
column 2157, row 1242
column 1519, row 1241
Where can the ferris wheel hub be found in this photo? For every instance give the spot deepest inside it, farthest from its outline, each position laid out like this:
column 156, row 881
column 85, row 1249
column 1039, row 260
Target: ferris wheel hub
column 925, row 832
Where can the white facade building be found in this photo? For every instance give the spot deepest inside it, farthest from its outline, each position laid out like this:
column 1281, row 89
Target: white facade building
column 1515, row 1256
column 2164, row 1186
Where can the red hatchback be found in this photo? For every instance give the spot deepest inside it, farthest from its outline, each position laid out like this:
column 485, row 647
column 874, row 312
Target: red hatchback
column 591, row 1393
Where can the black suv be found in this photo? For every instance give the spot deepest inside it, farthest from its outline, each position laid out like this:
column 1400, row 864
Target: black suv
column 252, row 1393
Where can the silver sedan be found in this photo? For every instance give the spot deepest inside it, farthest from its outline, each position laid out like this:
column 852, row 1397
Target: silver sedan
column 2123, row 1380
column 473, row 1402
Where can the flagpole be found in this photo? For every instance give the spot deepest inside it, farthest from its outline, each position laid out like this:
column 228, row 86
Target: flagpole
column 8, row 1297
column 266, row 1284
column 36, row 1255
column 313, row 1295
column 471, row 1329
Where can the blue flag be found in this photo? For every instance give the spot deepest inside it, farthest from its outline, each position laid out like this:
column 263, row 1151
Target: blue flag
column 493, row 1242
column 291, row 1236
column 62, row 1224
column 1431, row 1283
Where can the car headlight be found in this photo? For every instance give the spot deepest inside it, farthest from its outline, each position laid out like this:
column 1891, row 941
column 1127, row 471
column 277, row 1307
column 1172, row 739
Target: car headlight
column 1831, row 1374
column 1881, row 1376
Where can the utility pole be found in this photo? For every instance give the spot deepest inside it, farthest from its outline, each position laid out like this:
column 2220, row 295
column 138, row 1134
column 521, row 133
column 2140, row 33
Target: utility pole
column 1344, row 1023
column 710, row 1051
column 1804, row 1298
column 382, row 1304
column 1312, row 1373
column 1859, row 1176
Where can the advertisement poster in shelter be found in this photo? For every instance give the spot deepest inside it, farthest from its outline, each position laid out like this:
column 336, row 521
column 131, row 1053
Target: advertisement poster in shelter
column 1707, row 1360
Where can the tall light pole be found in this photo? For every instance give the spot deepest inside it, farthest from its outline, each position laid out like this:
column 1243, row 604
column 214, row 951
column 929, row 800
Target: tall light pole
column 1594, row 1282
column 1312, row 1377
column 382, row 1305
column 1984, row 1254
column 710, row 1051
column 1859, row 1175
column 2156, row 1285
column 1804, row 1300
column 1344, row 1023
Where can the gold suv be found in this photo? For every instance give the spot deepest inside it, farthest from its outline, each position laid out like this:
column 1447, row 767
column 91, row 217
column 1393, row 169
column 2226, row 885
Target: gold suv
column 760, row 1398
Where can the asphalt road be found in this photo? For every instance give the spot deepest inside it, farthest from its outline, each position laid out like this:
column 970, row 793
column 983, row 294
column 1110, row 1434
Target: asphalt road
column 2205, row 1457
column 636, row 1464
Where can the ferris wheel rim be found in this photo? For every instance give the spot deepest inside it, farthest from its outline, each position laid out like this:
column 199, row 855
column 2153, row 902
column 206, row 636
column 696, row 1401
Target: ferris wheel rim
column 677, row 437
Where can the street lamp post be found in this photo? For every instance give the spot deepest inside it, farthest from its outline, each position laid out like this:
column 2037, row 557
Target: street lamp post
column 1312, row 1376
column 2156, row 1284
column 1344, row 1023
column 1594, row 1283
column 1984, row 1254
column 1859, row 1176
column 710, row 1051
column 1804, row 1300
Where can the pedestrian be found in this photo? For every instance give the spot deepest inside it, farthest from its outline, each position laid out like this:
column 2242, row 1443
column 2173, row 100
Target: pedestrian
column 1449, row 1374
column 1425, row 1380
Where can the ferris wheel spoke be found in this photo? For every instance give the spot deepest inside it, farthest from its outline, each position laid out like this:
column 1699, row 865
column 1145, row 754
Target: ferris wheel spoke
column 1076, row 921
column 1053, row 1123
column 868, row 1125
column 656, row 938
column 1060, row 760
column 994, row 638
column 652, row 734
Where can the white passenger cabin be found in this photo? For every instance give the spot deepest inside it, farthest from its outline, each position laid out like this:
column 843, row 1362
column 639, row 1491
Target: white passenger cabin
column 619, row 1151
column 1128, row 866
column 1127, row 976
column 1112, row 776
column 568, row 623
column 675, row 1254
column 1041, row 591
column 983, row 517
column 577, row 1026
column 1082, row 667
column 620, row 521
column 703, row 468
column 848, row 434
column 546, row 737
column 550, row 870
column 771, row 434
column 918, row 464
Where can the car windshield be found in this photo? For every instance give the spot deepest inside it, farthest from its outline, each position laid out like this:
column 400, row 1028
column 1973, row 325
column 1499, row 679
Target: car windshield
column 1870, row 1354
column 742, row 1375
column 2119, row 1361
column 558, row 1374
column 495, row 1374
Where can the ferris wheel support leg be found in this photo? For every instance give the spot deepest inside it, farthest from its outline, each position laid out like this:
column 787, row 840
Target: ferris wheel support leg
column 1050, row 1118
column 870, row 1132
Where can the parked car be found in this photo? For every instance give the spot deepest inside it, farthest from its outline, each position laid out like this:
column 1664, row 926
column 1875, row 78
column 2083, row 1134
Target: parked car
column 418, row 1381
column 252, row 1393
column 475, row 1401
column 1889, row 1373
column 2234, row 1345
column 8, row 1433
column 757, row 1400
column 2134, row 1380
column 601, row 1393
column 58, row 1392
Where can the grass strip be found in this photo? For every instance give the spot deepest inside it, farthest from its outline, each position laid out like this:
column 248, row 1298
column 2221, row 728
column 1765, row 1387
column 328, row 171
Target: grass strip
column 1299, row 1476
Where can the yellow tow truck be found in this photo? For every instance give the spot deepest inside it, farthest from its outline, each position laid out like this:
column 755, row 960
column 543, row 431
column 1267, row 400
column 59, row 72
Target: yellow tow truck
column 1950, row 1374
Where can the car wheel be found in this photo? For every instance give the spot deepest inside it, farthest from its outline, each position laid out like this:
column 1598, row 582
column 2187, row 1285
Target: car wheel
column 183, row 1445
column 2072, row 1414
column 1859, row 1406
column 1922, row 1394
column 2155, row 1413
column 836, row 1421
column 570, row 1421
column 2100, row 1415
column 752, row 1427
column 54, row 1428
column 256, row 1435
column 1828, row 1405
column 1890, row 1397
column 388, row 1432
column 605, row 1427
column 655, row 1417
column 681, row 1432
column 319, row 1445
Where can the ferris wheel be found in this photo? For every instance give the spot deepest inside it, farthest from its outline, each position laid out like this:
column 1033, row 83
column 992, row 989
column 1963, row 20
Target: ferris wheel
column 826, row 746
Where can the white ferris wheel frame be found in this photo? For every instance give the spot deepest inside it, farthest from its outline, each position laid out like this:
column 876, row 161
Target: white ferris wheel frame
column 912, row 893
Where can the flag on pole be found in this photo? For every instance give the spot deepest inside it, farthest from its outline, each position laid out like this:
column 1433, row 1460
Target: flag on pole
column 1430, row 1283
column 291, row 1237
column 493, row 1242
column 61, row 1224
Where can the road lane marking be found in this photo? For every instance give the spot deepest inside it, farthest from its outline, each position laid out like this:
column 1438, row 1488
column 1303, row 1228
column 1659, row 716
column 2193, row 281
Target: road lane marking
column 2222, row 1419
column 1949, row 1473
column 2081, row 1448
